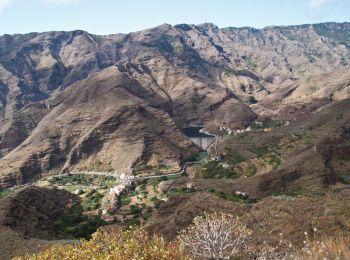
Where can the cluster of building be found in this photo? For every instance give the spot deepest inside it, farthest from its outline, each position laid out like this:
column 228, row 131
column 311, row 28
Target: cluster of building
column 229, row 131
column 111, row 199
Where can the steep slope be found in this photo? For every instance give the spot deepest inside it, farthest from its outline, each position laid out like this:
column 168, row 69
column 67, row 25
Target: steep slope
column 309, row 189
column 72, row 100
column 27, row 219
column 32, row 66
column 99, row 123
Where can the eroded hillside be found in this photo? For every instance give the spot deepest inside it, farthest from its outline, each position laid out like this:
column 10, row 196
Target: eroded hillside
column 72, row 100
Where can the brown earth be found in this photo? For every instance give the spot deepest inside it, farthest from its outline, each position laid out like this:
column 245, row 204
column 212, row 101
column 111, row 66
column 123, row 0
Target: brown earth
column 27, row 219
column 267, row 218
column 73, row 100
column 77, row 101
column 309, row 189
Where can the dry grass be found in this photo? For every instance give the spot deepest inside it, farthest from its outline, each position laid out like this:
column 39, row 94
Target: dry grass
column 337, row 247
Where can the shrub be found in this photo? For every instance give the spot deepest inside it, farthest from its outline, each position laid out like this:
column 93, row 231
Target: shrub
column 5, row 193
column 260, row 151
column 322, row 248
column 233, row 197
column 326, row 248
column 156, row 202
column 85, row 180
column 134, row 209
column 214, row 170
column 132, row 222
column 124, row 200
column 130, row 244
column 215, row 236
column 267, row 123
column 193, row 157
column 251, row 169
column 275, row 161
column 233, row 157
column 175, row 191
column 73, row 224
column 92, row 201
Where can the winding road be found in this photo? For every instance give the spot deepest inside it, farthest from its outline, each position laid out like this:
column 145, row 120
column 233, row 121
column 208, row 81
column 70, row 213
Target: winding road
column 131, row 178
column 122, row 179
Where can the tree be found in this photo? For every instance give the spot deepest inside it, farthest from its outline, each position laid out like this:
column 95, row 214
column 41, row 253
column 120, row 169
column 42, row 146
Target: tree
column 215, row 236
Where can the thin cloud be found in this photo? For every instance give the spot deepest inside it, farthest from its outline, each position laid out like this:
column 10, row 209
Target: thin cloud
column 315, row 5
column 4, row 4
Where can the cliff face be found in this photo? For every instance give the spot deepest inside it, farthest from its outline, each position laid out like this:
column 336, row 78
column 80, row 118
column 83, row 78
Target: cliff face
column 72, row 100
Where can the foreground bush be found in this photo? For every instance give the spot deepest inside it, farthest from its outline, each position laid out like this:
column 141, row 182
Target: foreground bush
column 131, row 244
column 215, row 236
column 223, row 236
column 212, row 236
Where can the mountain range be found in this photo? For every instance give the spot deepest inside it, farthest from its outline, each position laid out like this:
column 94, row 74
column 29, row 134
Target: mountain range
column 77, row 101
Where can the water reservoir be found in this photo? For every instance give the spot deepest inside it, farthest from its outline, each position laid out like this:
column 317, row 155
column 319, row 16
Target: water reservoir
column 202, row 140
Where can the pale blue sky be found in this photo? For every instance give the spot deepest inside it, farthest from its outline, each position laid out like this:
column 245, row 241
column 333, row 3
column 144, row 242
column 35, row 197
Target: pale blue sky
column 114, row 16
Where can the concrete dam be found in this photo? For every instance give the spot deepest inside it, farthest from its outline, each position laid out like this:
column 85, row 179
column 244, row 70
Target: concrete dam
column 202, row 140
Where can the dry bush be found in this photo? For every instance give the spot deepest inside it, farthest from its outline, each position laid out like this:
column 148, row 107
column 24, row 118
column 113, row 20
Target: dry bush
column 326, row 248
column 215, row 236
column 131, row 244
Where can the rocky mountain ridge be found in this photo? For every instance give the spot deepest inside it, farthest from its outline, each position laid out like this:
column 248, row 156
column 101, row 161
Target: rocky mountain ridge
column 73, row 100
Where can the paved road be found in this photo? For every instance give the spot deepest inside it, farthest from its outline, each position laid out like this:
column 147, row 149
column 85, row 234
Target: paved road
column 131, row 178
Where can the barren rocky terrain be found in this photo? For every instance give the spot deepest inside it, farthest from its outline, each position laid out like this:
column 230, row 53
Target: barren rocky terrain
column 277, row 99
column 27, row 217
column 76, row 100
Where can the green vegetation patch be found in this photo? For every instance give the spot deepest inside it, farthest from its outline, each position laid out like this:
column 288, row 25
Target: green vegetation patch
column 267, row 123
column 135, row 210
column 138, row 211
column 140, row 188
column 251, row 169
column 84, row 180
column 132, row 222
column 156, row 202
column 298, row 192
column 184, row 190
column 232, row 197
column 344, row 179
column 267, row 153
column 195, row 157
column 92, row 200
column 276, row 161
column 73, row 224
column 233, row 157
column 4, row 193
column 261, row 150
column 124, row 200
column 215, row 170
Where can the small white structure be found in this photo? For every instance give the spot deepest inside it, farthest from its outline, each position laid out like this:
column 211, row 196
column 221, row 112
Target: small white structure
column 224, row 165
column 190, row 185
column 117, row 190
column 239, row 193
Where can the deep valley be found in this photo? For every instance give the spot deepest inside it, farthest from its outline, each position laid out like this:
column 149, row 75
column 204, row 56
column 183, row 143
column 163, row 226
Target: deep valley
column 103, row 131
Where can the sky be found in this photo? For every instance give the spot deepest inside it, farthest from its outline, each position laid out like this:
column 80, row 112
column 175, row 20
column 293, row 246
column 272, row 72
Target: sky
column 123, row 16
